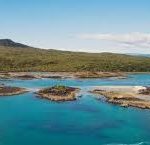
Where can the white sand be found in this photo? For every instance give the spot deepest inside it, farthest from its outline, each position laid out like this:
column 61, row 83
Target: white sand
column 126, row 89
column 132, row 89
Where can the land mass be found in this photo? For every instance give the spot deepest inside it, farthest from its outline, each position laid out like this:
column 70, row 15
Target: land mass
column 10, row 91
column 61, row 75
column 134, row 96
column 17, row 57
column 58, row 93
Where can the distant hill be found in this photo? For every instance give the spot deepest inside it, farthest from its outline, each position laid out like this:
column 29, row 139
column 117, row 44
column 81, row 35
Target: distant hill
column 19, row 57
column 10, row 43
column 137, row 54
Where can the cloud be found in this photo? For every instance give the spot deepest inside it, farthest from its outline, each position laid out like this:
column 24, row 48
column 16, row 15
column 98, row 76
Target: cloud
column 135, row 39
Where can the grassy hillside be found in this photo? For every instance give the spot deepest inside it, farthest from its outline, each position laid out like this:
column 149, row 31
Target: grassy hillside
column 16, row 58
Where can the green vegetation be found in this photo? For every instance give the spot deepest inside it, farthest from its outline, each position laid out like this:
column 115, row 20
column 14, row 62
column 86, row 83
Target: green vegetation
column 58, row 90
column 17, row 58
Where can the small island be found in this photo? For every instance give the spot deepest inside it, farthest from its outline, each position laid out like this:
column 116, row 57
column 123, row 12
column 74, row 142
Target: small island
column 10, row 91
column 125, row 96
column 59, row 93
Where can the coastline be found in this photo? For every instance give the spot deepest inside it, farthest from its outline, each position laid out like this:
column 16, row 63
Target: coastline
column 58, row 93
column 11, row 91
column 125, row 96
column 74, row 75
column 64, row 74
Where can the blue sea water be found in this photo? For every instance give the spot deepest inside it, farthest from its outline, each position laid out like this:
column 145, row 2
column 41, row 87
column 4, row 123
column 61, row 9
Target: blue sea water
column 28, row 120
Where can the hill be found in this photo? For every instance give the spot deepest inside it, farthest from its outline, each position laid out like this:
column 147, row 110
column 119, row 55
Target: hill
column 19, row 57
column 10, row 43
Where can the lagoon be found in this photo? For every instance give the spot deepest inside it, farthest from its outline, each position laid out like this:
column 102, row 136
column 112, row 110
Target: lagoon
column 26, row 119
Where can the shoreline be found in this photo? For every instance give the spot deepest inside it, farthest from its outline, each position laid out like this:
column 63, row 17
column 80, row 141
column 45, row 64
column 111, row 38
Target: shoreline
column 62, row 75
column 125, row 96
column 58, row 93
column 11, row 91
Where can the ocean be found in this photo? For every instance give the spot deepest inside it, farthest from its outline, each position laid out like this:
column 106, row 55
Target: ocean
column 28, row 120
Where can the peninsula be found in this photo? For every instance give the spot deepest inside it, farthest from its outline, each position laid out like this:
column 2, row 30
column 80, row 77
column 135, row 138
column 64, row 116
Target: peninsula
column 134, row 96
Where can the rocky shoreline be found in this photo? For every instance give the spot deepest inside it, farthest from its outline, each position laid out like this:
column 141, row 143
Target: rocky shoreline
column 124, row 96
column 59, row 93
column 61, row 75
column 10, row 91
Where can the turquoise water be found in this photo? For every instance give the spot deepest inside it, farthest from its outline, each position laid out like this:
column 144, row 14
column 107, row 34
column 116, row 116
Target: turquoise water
column 27, row 120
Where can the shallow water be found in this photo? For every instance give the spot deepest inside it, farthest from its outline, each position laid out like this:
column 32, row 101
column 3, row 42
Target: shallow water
column 27, row 120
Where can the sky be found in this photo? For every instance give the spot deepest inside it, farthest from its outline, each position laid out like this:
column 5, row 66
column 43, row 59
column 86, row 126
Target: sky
column 121, row 26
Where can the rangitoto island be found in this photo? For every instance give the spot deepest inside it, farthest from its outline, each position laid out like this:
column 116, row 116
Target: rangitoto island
column 59, row 93
column 10, row 91
column 125, row 96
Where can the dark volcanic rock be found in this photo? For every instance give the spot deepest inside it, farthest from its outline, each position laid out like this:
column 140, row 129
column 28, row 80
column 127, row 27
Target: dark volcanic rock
column 10, row 91
column 58, row 93
column 145, row 91
column 25, row 77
